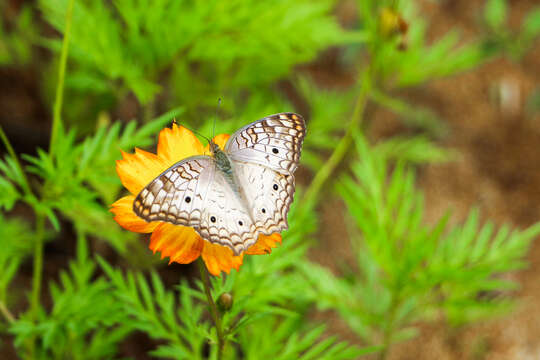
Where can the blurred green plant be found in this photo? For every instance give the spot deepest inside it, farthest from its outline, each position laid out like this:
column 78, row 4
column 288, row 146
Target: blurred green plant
column 198, row 50
column 501, row 37
column 16, row 243
column 407, row 271
column 533, row 103
column 16, row 44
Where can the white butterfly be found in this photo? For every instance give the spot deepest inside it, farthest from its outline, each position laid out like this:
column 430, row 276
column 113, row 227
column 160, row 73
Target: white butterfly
column 234, row 195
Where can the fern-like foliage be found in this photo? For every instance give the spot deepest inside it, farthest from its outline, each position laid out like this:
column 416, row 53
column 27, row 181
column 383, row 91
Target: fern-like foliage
column 11, row 182
column 285, row 340
column 330, row 111
column 78, row 180
column 243, row 43
column 160, row 313
column 407, row 270
column 418, row 61
column 85, row 321
column 16, row 243
column 269, row 299
column 15, row 45
column 179, row 322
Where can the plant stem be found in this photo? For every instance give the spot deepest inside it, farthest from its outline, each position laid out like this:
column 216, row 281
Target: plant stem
column 342, row 147
column 213, row 308
column 36, row 276
column 82, row 245
column 38, row 265
column 149, row 111
column 57, row 120
column 389, row 328
column 7, row 314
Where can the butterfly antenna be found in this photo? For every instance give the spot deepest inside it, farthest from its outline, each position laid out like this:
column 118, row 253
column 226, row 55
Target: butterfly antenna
column 217, row 113
column 195, row 131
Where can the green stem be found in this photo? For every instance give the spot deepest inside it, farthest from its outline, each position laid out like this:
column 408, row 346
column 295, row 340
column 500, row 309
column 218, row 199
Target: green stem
column 38, row 265
column 57, row 120
column 7, row 314
column 389, row 328
column 36, row 276
column 82, row 245
column 342, row 147
column 149, row 111
column 213, row 308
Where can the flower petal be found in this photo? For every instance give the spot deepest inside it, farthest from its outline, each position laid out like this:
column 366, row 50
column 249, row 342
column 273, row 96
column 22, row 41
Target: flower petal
column 221, row 139
column 219, row 258
column 177, row 144
column 137, row 170
column 264, row 244
column 126, row 218
column 180, row 243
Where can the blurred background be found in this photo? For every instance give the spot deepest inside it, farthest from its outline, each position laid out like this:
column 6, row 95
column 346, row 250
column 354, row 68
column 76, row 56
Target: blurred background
column 451, row 88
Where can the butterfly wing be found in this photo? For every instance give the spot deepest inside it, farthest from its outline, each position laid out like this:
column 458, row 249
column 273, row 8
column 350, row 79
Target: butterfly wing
column 225, row 219
column 268, row 193
column 265, row 155
column 178, row 194
column 274, row 141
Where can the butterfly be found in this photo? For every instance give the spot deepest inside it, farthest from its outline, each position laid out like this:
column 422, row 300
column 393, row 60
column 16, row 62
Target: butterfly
column 235, row 194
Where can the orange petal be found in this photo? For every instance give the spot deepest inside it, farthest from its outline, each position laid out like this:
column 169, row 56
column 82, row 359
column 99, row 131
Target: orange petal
column 264, row 244
column 126, row 218
column 137, row 170
column 180, row 243
column 178, row 143
column 220, row 140
column 220, row 258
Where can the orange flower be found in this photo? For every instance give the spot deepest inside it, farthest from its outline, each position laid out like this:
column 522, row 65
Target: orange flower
column 181, row 244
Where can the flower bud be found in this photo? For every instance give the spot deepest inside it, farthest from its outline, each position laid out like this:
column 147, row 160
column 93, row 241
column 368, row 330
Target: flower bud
column 225, row 302
column 391, row 23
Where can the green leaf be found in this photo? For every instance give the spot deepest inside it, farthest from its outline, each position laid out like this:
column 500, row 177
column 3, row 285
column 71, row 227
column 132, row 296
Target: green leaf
column 531, row 24
column 495, row 13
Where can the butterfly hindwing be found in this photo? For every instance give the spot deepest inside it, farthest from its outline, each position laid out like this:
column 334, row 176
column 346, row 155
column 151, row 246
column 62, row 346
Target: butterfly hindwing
column 269, row 195
column 225, row 219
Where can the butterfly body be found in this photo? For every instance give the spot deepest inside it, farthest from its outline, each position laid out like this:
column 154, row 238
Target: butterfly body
column 237, row 193
column 223, row 164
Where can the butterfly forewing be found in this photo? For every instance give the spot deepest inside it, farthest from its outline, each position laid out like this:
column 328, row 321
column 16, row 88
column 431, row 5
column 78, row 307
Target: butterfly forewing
column 274, row 141
column 178, row 194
